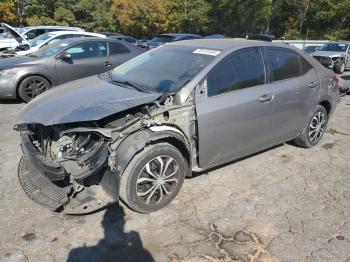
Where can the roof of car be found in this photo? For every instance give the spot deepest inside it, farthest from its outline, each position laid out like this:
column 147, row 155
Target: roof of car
column 69, row 41
column 341, row 41
column 223, row 43
column 51, row 27
column 56, row 33
column 171, row 34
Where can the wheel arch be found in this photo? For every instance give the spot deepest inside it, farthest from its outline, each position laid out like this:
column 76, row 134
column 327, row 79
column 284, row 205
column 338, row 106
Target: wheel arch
column 22, row 78
column 136, row 142
column 327, row 105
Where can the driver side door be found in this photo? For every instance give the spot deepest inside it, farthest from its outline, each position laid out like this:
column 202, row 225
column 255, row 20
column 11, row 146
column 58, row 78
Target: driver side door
column 87, row 59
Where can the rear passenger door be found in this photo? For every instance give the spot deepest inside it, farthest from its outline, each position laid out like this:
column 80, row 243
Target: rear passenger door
column 118, row 54
column 295, row 84
column 236, row 116
column 87, row 59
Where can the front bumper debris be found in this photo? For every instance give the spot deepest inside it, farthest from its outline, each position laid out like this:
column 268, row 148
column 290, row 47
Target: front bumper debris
column 51, row 185
column 40, row 188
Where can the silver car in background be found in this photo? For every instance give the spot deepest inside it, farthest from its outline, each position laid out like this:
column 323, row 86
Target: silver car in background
column 26, row 77
column 139, row 130
column 334, row 55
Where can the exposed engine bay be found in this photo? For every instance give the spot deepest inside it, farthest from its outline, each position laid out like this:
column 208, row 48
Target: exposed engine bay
column 76, row 167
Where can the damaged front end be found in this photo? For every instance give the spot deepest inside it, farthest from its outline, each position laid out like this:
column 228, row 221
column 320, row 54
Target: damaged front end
column 66, row 170
column 76, row 167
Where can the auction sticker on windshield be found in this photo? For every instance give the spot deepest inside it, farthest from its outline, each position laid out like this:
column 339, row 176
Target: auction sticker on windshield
column 207, row 52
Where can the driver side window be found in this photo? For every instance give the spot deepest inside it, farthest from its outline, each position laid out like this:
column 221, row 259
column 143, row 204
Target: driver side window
column 242, row 69
column 88, row 50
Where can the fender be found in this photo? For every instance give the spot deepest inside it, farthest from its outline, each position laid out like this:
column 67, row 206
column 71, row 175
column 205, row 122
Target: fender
column 322, row 99
column 18, row 82
column 137, row 141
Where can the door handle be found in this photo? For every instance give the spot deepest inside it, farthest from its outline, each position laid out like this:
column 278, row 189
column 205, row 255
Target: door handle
column 312, row 84
column 266, row 98
column 108, row 64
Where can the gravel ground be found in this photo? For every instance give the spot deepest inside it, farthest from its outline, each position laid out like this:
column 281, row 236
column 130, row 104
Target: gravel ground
column 284, row 204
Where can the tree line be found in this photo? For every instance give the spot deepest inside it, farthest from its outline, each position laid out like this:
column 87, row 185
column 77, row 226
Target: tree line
column 289, row 19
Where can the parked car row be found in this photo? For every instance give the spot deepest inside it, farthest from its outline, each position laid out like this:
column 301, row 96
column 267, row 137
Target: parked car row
column 13, row 37
column 44, row 40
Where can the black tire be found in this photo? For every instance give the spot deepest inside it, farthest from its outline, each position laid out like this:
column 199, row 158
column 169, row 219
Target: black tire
column 306, row 138
column 339, row 68
column 32, row 86
column 135, row 172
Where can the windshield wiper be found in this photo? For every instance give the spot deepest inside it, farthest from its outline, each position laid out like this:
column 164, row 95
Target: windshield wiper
column 134, row 86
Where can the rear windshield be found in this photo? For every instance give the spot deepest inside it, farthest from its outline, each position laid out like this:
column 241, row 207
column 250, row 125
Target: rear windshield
column 333, row 47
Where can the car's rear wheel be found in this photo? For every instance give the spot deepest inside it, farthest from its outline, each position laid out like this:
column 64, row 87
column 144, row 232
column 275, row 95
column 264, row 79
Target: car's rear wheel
column 153, row 178
column 339, row 68
column 315, row 128
column 32, row 86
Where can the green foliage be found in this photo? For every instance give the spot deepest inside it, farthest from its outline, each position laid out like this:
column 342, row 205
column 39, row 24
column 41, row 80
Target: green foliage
column 297, row 19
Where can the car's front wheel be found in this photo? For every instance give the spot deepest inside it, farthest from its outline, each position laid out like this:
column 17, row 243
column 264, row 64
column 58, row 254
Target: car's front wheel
column 153, row 178
column 316, row 126
column 32, row 86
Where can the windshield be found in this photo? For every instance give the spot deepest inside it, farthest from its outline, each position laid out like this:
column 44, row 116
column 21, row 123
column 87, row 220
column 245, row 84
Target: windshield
column 50, row 49
column 164, row 70
column 40, row 39
column 333, row 47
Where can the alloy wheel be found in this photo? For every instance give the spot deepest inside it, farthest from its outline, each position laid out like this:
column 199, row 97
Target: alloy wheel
column 157, row 180
column 317, row 127
column 35, row 87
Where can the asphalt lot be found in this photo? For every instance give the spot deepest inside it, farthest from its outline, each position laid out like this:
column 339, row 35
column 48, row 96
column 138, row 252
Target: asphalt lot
column 284, row 204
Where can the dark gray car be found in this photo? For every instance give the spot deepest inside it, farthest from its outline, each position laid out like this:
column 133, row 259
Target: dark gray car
column 67, row 60
column 138, row 131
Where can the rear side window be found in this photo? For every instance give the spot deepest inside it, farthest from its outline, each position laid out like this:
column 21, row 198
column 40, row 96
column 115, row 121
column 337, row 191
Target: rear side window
column 283, row 64
column 239, row 70
column 117, row 48
column 305, row 65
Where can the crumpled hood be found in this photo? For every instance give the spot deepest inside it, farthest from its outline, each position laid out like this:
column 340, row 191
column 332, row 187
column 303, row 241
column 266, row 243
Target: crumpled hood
column 12, row 62
column 328, row 54
column 87, row 99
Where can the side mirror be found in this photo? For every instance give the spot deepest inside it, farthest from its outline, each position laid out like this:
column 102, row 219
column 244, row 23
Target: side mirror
column 65, row 56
